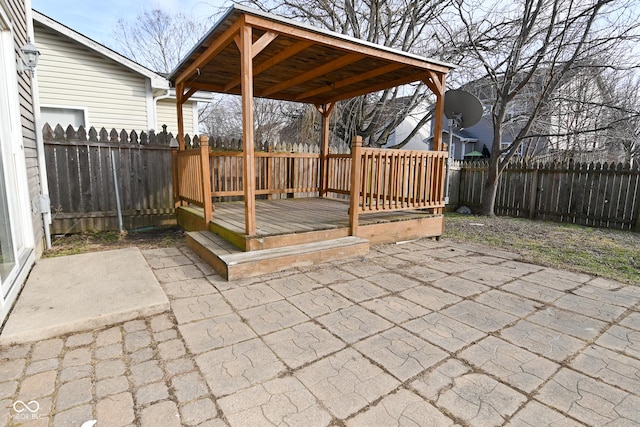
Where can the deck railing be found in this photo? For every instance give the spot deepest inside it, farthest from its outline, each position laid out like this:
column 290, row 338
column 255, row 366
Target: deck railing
column 391, row 180
column 375, row 179
column 191, row 178
column 276, row 173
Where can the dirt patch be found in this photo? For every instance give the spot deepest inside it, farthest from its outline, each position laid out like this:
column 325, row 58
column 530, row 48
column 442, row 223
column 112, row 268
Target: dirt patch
column 150, row 238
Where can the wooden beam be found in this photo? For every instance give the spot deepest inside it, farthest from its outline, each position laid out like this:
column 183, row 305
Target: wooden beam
column 179, row 102
column 341, row 44
column 263, row 42
column 355, row 79
column 271, row 62
column 382, row 86
column 325, row 110
column 189, row 94
column 437, row 84
column 211, row 52
column 336, row 64
column 249, row 169
column 205, row 86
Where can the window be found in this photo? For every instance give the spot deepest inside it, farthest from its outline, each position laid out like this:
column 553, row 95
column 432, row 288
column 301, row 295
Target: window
column 64, row 116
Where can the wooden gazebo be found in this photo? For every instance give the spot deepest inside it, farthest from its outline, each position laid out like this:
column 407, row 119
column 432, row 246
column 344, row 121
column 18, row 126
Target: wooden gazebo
column 394, row 194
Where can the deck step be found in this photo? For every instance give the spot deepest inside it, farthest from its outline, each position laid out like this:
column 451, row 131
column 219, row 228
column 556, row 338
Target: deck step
column 232, row 264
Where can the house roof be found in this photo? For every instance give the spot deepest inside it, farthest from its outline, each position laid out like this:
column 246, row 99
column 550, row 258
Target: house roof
column 296, row 62
column 157, row 81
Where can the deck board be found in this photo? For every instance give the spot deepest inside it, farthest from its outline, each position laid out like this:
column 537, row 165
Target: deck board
column 299, row 215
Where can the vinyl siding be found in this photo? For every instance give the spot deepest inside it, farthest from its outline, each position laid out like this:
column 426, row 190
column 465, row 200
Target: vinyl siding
column 168, row 115
column 71, row 75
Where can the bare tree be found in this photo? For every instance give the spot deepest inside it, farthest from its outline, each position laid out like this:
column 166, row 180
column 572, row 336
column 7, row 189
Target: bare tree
column 400, row 24
column 527, row 50
column 626, row 106
column 156, row 39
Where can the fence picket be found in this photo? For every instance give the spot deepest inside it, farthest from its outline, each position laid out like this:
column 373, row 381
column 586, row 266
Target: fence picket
column 593, row 194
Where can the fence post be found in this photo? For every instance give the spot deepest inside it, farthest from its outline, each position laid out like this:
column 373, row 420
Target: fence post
column 206, row 179
column 637, row 227
column 354, row 209
column 533, row 192
column 176, row 178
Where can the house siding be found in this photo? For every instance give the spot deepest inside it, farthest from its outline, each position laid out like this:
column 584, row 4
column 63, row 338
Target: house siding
column 113, row 95
column 168, row 115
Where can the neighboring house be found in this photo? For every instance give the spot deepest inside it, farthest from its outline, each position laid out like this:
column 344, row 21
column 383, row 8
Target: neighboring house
column 462, row 143
column 23, row 183
column 419, row 141
column 82, row 82
column 576, row 106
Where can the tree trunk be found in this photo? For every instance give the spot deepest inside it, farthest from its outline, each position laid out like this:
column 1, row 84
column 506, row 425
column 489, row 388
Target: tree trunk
column 490, row 187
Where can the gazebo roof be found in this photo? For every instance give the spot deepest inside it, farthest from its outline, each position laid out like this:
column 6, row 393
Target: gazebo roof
column 296, row 62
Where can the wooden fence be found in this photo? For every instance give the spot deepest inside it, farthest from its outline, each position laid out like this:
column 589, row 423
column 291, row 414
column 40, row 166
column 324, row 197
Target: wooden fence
column 81, row 184
column 593, row 194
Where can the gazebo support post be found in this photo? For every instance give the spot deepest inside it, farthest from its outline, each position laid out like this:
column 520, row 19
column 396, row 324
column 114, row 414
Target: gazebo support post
column 248, row 164
column 437, row 83
column 325, row 110
column 354, row 199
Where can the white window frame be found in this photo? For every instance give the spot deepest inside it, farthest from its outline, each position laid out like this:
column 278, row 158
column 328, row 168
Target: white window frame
column 85, row 112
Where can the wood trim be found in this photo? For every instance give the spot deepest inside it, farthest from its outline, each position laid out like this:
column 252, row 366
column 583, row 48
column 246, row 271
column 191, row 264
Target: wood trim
column 336, row 64
column 282, row 56
column 211, row 52
column 249, row 170
column 356, row 79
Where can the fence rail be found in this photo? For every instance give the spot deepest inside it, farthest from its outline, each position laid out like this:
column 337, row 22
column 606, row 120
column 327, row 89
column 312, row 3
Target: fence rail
column 593, row 194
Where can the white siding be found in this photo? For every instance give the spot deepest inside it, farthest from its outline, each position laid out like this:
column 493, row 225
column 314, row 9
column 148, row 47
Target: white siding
column 71, row 75
column 168, row 115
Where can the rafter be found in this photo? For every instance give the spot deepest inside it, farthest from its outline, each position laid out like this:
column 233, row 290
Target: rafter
column 334, row 65
column 211, row 52
column 382, row 86
column 264, row 41
column 352, row 80
column 271, row 62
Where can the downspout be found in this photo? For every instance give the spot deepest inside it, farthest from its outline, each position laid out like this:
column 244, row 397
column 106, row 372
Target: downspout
column 155, row 107
column 44, row 204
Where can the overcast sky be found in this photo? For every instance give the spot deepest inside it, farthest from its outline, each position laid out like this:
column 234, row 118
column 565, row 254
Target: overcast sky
column 95, row 18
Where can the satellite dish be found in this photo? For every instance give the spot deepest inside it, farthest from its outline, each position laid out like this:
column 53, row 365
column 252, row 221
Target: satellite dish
column 462, row 107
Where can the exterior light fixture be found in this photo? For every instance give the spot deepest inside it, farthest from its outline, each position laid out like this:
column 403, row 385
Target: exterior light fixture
column 30, row 60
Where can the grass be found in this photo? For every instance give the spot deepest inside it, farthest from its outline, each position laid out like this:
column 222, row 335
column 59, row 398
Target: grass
column 607, row 253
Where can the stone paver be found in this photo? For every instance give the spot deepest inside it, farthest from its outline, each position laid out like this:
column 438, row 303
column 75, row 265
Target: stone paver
column 401, row 409
column 401, row 353
column 233, row 368
column 424, row 333
column 590, row 401
column 302, row 344
column 354, row 323
column 516, row 366
column 346, row 382
column 273, row 317
column 480, row 400
column 282, row 401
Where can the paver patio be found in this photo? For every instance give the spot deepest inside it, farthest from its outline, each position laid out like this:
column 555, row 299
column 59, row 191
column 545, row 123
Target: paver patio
column 424, row 333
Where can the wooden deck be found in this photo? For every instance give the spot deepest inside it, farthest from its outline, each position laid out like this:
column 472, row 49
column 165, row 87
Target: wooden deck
column 287, row 222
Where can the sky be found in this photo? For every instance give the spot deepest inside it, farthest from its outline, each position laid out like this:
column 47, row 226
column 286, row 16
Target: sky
column 96, row 18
